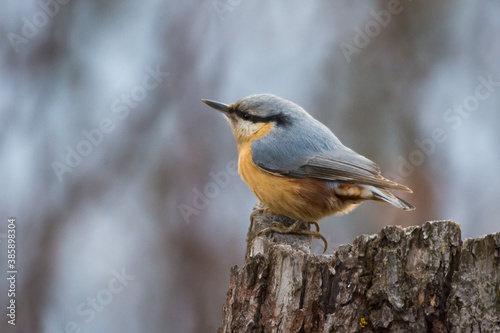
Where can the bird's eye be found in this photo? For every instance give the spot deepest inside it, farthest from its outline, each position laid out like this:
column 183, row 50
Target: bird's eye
column 246, row 116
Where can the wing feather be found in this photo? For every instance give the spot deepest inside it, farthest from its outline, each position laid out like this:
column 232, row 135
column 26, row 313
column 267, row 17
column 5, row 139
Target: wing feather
column 340, row 165
column 316, row 153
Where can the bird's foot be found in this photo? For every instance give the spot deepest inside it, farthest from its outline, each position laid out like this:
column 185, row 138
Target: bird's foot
column 295, row 229
column 315, row 224
column 260, row 211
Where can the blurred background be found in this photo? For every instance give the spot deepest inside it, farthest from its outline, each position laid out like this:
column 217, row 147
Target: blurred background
column 128, row 210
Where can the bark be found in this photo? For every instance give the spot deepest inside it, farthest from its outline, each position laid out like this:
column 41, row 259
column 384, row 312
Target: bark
column 416, row 279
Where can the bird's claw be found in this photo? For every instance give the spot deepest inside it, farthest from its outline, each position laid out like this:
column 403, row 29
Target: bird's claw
column 295, row 230
column 316, row 225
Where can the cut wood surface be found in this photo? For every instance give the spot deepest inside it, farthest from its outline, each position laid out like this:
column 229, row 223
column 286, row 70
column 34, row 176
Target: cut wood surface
column 415, row 279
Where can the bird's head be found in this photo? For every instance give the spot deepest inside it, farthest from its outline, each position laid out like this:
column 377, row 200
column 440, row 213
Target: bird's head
column 254, row 116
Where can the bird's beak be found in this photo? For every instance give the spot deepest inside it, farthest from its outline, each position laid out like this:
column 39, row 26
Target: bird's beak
column 224, row 108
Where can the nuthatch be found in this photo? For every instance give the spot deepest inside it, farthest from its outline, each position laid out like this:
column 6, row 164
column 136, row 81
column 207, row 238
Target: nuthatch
column 297, row 167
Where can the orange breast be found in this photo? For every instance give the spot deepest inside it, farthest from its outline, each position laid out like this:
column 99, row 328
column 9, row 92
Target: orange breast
column 304, row 199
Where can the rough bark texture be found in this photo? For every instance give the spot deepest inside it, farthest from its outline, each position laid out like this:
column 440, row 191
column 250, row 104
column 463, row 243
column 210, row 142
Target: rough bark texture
column 416, row 279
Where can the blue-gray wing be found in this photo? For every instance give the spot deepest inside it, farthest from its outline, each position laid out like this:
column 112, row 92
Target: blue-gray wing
column 316, row 154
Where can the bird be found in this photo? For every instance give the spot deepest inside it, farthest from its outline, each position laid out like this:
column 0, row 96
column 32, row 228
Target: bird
column 297, row 167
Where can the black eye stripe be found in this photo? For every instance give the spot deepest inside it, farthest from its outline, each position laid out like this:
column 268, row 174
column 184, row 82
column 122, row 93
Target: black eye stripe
column 278, row 118
column 247, row 116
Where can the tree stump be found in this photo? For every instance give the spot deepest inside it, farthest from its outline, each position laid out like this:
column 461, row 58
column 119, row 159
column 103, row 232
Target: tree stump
column 415, row 279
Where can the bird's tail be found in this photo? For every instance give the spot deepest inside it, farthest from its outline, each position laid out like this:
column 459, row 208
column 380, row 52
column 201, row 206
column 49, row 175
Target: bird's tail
column 385, row 195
